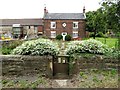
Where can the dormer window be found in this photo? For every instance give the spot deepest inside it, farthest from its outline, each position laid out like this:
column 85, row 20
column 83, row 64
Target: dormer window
column 75, row 25
column 53, row 25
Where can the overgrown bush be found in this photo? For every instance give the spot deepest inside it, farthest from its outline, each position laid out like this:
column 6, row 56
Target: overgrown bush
column 37, row 47
column 68, row 37
column 87, row 46
column 59, row 37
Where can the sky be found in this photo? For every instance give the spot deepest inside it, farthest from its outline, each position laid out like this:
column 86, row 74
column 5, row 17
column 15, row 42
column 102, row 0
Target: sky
column 35, row 8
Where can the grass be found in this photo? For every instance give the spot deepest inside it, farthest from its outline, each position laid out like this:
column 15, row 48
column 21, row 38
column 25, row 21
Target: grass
column 22, row 83
column 98, row 79
column 111, row 42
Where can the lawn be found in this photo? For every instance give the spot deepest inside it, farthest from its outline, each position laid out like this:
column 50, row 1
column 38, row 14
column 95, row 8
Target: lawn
column 111, row 42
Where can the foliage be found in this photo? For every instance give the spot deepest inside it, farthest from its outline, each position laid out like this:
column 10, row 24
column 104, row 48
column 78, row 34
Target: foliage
column 5, row 51
column 111, row 42
column 68, row 37
column 91, row 34
column 8, row 46
column 106, row 18
column 87, row 46
column 23, row 83
column 37, row 47
column 99, row 34
column 59, row 37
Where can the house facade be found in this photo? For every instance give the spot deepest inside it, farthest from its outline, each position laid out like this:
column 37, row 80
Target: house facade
column 51, row 25
column 64, row 23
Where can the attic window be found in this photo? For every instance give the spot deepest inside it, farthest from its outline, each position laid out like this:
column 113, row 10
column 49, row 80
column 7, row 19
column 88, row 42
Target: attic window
column 53, row 25
column 75, row 25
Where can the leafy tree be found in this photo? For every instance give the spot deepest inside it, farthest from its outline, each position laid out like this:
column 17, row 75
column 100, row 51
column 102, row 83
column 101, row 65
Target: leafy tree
column 106, row 18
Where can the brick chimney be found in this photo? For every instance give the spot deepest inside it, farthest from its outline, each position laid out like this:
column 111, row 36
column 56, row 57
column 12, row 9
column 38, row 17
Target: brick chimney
column 84, row 9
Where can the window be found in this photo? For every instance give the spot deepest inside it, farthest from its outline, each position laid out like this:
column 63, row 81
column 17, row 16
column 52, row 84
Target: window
column 75, row 34
column 75, row 25
column 53, row 34
column 53, row 24
column 17, row 30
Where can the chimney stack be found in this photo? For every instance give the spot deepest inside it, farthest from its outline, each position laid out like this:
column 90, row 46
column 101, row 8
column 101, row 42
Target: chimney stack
column 84, row 9
column 45, row 10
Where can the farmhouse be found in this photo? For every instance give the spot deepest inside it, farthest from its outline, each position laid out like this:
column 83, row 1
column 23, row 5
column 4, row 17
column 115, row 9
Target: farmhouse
column 51, row 25
column 64, row 23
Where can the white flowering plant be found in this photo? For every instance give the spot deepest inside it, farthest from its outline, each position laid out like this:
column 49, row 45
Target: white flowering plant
column 37, row 47
column 87, row 46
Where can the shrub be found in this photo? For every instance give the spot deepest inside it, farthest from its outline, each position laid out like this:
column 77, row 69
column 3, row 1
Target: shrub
column 5, row 51
column 91, row 34
column 87, row 46
column 68, row 37
column 8, row 46
column 99, row 34
column 59, row 37
column 37, row 47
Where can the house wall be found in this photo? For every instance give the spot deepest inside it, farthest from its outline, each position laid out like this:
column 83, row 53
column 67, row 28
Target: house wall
column 69, row 27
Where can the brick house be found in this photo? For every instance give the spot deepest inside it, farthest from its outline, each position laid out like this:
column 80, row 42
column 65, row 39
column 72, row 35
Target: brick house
column 64, row 23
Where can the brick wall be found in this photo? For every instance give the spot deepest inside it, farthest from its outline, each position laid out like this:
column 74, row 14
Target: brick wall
column 25, row 65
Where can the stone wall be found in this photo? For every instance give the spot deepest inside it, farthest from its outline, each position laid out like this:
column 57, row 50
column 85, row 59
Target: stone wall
column 94, row 62
column 26, row 65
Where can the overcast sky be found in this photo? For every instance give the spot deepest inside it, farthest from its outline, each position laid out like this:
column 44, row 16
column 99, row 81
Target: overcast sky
column 34, row 8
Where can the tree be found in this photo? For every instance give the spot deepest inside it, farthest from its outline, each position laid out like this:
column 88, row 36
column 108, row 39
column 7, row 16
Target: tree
column 106, row 18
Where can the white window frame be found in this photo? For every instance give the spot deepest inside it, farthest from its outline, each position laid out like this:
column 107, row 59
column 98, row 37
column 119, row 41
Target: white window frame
column 53, row 34
column 76, row 25
column 53, row 25
column 75, row 34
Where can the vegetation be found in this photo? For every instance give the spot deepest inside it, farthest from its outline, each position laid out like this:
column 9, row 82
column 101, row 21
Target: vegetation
column 111, row 42
column 98, row 79
column 59, row 37
column 37, row 47
column 84, row 79
column 87, row 46
column 8, row 46
column 6, row 83
column 100, row 34
column 68, row 37
column 105, row 19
